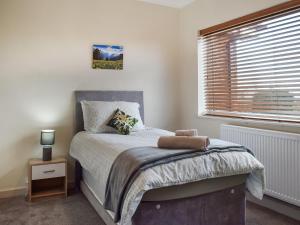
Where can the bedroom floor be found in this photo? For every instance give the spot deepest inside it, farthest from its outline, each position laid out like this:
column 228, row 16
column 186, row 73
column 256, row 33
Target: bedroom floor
column 76, row 210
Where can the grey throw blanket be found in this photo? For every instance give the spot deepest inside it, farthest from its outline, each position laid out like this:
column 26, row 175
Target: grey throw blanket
column 130, row 163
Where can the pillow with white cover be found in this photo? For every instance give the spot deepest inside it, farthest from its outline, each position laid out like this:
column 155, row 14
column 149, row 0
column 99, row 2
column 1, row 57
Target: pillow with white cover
column 96, row 114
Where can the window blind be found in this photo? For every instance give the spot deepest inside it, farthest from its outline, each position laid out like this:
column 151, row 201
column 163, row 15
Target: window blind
column 253, row 70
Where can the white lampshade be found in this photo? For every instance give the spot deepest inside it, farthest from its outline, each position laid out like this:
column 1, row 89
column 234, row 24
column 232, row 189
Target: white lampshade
column 47, row 137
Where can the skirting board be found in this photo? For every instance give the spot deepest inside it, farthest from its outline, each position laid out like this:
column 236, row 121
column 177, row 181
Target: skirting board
column 277, row 206
column 95, row 202
column 13, row 192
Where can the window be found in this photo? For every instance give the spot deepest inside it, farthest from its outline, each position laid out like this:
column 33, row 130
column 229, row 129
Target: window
column 251, row 65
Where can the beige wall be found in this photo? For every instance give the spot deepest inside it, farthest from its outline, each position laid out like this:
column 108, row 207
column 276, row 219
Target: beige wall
column 199, row 15
column 45, row 54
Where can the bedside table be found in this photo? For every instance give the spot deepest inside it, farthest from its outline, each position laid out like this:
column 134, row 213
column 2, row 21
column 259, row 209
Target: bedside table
column 47, row 178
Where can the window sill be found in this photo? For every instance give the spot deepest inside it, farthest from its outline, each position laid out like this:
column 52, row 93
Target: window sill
column 247, row 121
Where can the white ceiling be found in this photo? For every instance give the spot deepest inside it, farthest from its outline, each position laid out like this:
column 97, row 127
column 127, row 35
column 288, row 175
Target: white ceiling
column 170, row 3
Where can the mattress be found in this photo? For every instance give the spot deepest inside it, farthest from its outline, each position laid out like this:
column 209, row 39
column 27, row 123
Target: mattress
column 97, row 152
column 93, row 184
column 173, row 192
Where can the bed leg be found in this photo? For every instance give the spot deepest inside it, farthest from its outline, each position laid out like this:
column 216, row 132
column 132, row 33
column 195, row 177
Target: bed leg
column 78, row 175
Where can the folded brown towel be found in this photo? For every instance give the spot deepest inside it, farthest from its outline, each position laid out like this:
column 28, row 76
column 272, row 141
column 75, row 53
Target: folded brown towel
column 191, row 132
column 183, row 142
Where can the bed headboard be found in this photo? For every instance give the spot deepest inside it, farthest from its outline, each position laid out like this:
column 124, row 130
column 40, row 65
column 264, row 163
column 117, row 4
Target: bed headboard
column 128, row 96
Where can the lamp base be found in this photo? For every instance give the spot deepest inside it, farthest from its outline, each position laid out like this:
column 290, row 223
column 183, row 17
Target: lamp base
column 47, row 153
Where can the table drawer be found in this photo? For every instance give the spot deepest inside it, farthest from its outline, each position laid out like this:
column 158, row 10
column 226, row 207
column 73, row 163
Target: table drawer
column 48, row 171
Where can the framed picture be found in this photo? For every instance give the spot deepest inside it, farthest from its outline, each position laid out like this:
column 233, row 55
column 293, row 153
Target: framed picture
column 109, row 57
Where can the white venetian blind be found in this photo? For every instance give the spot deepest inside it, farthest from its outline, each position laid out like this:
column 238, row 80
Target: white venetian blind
column 253, row 70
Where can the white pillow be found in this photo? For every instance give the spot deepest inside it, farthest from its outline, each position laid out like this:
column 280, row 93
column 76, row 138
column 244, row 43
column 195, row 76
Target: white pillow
column 96, row 115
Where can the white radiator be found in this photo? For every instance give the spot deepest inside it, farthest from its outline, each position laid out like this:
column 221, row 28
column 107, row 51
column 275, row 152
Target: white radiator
column 280, row 154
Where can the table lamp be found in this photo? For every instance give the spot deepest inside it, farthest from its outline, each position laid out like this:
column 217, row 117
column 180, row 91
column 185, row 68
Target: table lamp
column 47, row 140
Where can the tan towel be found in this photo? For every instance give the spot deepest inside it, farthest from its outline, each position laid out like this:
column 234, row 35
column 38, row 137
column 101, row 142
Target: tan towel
column 191, row 132
column 183, row 142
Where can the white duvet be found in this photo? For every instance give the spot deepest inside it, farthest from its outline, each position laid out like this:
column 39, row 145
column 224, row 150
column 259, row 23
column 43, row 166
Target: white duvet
column 97, row 152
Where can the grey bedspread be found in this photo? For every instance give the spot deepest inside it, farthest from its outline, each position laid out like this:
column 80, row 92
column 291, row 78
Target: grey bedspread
column 130, row 163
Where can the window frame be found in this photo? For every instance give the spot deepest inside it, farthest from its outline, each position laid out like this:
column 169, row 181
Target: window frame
column 244, row 20
column 283, row 7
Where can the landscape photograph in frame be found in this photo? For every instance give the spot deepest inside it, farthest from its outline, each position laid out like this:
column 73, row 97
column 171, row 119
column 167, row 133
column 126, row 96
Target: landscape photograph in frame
column 107, row 57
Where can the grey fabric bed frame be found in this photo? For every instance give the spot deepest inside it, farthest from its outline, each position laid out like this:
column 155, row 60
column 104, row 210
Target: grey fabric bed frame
column 127, row 96
column 222, row 207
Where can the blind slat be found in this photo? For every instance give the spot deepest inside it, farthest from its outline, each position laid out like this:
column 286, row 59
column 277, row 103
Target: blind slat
column 222, row 75
column 258, row 72
column 276, row 52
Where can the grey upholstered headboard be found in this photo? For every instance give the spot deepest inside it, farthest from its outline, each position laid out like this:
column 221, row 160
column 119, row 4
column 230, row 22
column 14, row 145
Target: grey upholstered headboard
column 128, row 96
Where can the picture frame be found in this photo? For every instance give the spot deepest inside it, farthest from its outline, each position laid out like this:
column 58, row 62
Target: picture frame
column 107, row 57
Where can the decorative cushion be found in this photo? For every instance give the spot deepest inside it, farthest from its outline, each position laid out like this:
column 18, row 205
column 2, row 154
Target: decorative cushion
column 122, row 122
column 96, row 115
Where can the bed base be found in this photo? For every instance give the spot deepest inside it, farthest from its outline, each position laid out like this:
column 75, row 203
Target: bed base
column 224, row 207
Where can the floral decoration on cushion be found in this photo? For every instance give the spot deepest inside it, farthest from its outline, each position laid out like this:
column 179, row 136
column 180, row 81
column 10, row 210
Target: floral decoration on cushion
column 122, row 122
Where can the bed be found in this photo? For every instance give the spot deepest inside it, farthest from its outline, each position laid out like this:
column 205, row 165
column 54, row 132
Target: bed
column 205, row 201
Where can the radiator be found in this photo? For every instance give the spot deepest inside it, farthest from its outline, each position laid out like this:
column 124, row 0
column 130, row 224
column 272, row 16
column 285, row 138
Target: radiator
column 278, row 151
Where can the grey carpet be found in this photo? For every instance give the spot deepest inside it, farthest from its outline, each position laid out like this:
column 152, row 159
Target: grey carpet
column 257, row 215
column 76, row 210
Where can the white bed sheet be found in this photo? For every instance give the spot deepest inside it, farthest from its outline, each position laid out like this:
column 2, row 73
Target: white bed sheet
column 97, row 152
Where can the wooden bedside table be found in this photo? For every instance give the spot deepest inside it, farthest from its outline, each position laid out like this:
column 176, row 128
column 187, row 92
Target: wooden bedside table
column 47, row 178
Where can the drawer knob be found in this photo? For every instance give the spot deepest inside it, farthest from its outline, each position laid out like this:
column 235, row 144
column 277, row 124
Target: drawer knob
column 49, row 171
